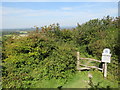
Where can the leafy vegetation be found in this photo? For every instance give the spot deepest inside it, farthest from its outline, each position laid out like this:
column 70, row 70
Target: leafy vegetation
column 49, row 54
column 81, row 80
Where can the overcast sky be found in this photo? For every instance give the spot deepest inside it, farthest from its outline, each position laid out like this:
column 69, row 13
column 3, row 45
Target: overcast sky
column 28, row 14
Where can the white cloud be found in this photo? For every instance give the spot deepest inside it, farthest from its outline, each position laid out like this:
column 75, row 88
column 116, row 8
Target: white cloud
column 29, row 12
column 16, row 17
column 66, row 11
column 66, row 8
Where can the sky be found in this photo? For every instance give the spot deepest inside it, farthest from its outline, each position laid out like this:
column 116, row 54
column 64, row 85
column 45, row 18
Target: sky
column 28, row 14
column 59, row 0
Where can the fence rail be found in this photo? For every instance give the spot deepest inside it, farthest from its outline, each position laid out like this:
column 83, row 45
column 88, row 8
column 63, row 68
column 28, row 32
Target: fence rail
column 90, row 59
column 89, row 67
column 85, row 66
column 103, row 69
column 112, row 67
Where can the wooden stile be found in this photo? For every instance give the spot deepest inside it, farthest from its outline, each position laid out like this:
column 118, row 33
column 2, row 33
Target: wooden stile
column 105, row 58
column 85, row 66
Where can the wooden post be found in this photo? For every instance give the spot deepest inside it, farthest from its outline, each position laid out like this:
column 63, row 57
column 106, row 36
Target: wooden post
column 103, row 67
column 105, row 70
column 78, row 58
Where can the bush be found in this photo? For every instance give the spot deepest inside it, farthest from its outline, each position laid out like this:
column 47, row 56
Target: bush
column 36, row 57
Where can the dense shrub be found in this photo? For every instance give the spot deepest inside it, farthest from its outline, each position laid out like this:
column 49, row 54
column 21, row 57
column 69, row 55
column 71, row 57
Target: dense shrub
column 50, row 53
column 35, row 58
column 95, row 35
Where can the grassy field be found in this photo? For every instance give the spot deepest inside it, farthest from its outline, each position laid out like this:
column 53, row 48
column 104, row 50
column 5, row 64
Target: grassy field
column 79, row 80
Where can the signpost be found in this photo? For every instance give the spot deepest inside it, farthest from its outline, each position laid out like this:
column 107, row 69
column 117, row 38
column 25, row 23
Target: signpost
column 106, row 58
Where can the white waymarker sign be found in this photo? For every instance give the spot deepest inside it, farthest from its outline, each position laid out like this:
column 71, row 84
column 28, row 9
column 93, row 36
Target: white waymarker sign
column 106, row 56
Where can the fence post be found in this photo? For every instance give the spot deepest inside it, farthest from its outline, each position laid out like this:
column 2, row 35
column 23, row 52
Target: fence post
column 105, row 70
column 78, row 58
column 103, row 67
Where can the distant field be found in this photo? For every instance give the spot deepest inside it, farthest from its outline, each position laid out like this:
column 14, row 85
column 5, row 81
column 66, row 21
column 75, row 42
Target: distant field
column 8, row 35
